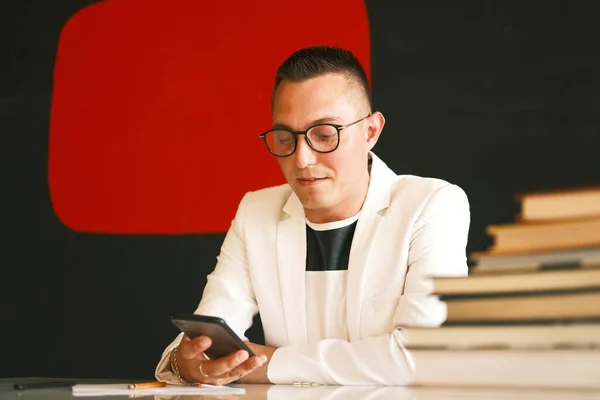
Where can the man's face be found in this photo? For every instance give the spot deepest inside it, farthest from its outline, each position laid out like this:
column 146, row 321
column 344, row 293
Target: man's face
column 326, row 184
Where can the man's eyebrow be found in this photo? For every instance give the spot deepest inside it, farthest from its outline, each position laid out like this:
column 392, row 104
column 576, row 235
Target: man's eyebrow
column 324, row 120
column 281, row 126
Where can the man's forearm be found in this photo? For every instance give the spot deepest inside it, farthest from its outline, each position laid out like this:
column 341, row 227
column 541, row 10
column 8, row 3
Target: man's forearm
column 259, row 375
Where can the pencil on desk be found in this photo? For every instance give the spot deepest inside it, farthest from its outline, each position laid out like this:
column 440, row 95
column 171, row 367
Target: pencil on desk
column 146, row 385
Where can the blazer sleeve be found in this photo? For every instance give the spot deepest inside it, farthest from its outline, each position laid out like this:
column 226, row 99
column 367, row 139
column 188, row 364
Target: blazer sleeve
column 437, row 247
column 228, row 293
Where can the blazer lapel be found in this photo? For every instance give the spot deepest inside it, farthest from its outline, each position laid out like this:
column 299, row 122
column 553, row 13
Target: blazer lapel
column 291, row 260
column 371, row 217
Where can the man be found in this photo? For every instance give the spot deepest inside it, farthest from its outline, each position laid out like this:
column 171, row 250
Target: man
column 336, row 260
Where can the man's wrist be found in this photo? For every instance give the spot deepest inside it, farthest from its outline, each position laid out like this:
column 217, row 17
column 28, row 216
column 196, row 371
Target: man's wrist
column 175, row 365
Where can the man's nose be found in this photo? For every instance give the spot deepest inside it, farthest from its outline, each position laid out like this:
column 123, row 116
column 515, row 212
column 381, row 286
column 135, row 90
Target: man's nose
column 304, row 154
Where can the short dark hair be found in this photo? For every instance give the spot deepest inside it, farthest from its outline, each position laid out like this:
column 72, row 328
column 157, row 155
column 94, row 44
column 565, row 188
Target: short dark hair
column 311, row 62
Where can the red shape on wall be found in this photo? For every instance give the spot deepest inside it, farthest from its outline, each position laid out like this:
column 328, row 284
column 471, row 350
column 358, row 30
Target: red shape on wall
column 157, row 107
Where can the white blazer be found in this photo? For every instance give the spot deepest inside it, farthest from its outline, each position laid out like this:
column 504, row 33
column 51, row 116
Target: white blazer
column 409, row 228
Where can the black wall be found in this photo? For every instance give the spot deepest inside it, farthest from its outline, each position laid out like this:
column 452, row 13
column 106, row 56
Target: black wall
column 499, row 97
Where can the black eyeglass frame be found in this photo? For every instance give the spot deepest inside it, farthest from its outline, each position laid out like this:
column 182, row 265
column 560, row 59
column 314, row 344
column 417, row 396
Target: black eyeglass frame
column 295, row 134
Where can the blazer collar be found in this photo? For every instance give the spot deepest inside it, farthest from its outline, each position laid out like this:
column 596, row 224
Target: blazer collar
column 378, row 194
column 365, row 236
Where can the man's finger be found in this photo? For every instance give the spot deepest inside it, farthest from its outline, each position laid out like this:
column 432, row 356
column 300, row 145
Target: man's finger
column 223, row 365
column 248, row 366
column 241, row 370
column 192, row 348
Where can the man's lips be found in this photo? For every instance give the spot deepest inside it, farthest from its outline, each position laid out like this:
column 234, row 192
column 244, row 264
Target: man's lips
column 309, row 181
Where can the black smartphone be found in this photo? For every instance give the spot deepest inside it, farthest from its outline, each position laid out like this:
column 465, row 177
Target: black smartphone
column 224, row 339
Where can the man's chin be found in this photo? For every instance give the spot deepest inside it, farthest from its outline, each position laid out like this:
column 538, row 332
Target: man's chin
column 313, row 201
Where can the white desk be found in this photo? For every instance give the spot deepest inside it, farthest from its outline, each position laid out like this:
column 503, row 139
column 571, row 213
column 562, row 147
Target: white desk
column 283, row 392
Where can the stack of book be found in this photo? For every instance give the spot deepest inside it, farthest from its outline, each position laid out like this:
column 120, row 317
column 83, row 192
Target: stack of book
column 529, row 313
column 554, row 229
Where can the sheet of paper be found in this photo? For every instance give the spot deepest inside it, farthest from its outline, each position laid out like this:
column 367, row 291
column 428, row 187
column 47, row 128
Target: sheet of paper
column 175, row 390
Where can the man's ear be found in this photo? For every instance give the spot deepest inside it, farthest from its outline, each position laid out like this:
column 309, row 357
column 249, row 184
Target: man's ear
column 375, row 125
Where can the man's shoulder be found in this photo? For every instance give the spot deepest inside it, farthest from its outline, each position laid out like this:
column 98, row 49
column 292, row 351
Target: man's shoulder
column 267, row 200
column 418, row 189
column 407, row 187
column 272, row 193
column 418, row 184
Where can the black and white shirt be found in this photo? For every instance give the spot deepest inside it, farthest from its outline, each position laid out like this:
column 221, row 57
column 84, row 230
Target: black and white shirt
column 327, row 253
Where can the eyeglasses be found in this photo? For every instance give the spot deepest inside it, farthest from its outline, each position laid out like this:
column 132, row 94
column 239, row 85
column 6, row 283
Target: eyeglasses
column 322, row 138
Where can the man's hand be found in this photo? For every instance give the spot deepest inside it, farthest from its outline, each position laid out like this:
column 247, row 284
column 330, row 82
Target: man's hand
column 259, row 375
column 190, row 357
